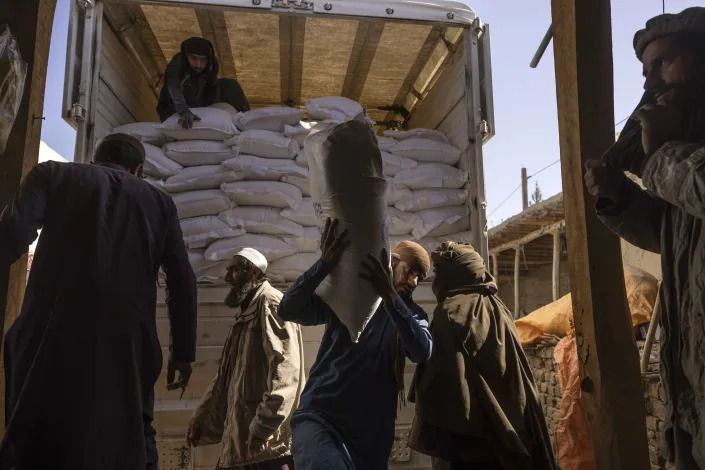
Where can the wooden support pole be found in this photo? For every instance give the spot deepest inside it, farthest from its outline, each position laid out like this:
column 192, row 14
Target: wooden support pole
column 608, row 357
column 31, row 22
column 556, row 284
column 517, row 271
column 545, row 230
column 495, row 266
column 524, row 190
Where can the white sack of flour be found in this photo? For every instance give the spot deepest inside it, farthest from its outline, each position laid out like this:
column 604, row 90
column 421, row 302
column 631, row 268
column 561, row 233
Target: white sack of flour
column 336, row 108
column 401, row 223
column 215, row 124
column 263, row 220
column 428, row 151
column 270, row 246
column 263, row 193
column 432, row 175
column 199, row 203
column 422, row 199
column 265, row 169
column 207, row 271
column 442, row 221
column 396, row 193
column 347, row 183
column 309, row 242
column 265, row 144
column 385, row 144
column 299, row 132
column 145, row 132
column 304, row 214
column 393, row 164
column 198, row 152
column 292, row 267
column 273, row 119
column 157, row 164
column 200, row 177
column 300, row 182
column 200, row 231
column 417, row 134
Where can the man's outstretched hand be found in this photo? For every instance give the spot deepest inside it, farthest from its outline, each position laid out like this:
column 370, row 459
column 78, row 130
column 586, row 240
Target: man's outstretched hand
column 333, row 245
column 184, row 369
column 378, row 273
column 187, row 119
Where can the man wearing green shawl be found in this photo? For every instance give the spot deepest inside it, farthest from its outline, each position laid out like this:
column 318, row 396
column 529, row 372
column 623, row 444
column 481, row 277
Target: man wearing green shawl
column 476, row 401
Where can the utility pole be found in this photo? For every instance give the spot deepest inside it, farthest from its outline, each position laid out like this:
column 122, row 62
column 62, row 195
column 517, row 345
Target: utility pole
column 524, row 190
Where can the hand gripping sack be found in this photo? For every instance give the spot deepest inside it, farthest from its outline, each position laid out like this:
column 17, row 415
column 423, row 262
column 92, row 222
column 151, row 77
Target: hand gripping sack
column 347, row 183
column 215, row 124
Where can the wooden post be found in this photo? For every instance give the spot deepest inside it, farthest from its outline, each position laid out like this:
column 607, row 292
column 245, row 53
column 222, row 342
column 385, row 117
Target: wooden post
column 608, row 357
column 517, row 265
column 495, row 266
column 524, row 190
column 556, row 265
column 31, row 22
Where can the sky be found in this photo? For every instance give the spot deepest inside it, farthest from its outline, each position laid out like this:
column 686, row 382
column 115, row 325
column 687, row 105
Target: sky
column 524, row 98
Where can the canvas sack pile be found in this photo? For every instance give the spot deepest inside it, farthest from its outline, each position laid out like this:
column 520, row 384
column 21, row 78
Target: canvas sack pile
column 243, row 180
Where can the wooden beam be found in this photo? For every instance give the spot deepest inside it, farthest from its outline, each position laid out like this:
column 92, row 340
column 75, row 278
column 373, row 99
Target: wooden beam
column 134, row 32
column 517, row 271
column 363, row 53
column 292, row 34
column 608, row 357
column 495, row 266
column 556, row 277
column 434, row 37
column 545, row 230
column 214, row 28
column 31, row 22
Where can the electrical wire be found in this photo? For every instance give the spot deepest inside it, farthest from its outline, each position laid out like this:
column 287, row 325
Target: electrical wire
column 505, row 200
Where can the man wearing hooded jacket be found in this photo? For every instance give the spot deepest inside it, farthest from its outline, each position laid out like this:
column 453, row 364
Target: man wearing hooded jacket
column 191, row 81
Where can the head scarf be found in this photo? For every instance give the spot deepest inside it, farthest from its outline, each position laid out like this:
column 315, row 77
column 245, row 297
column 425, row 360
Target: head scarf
column 627, row 153
column 690, row 20
column 414, row 255
column 255, row 257
column 200, row 46
column 460, row 269
column 131, row 149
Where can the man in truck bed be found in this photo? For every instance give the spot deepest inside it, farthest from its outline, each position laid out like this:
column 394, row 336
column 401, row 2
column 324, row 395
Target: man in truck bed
column 191, row 81
column 82, row 358
column 347, row 412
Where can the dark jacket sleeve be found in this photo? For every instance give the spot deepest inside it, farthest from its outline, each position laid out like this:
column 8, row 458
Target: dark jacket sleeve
column 300, row 304
column 173, row 83
column 181, row 293
column 412, row 326
column 636, row 216
column 24, row 215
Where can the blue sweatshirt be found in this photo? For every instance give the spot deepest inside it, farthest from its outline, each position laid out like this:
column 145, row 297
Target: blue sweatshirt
column 351, row 387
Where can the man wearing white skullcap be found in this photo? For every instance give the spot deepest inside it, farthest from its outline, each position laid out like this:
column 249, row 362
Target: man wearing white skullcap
column 249, row 405
column 664, row 144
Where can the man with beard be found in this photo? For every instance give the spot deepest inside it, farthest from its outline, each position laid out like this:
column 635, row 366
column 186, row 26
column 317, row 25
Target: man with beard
column 82, row 358
column 347, row 413
column 476, row 402
column 664, row 144
column 191, row 81
column 248, row 406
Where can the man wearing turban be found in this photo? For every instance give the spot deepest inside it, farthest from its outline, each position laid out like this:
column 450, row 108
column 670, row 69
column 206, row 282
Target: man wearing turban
column 477, row 405
column 664, row 144
column 347, row 413
column 82, row 358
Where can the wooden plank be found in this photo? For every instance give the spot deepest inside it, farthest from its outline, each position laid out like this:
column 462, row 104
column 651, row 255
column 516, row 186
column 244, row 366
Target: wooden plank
column 495, row 266
column 608, row 357
column 31, row 22
column 517, row 270
column 445, row 94
column 556, row 272
column 222, row 44
column 528, row 237
column 432, row 40
column 292, row 36
column 361, row 57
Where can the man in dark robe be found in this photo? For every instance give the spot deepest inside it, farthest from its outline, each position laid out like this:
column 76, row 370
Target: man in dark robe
column 82, row 358
column 191, row 81
column 664, row 144
column 477, row 405
column 346, row 417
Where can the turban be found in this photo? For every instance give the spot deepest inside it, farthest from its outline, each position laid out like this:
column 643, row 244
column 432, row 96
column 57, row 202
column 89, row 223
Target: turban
column 690, row 20
column 414, row 255
column 197, row 46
